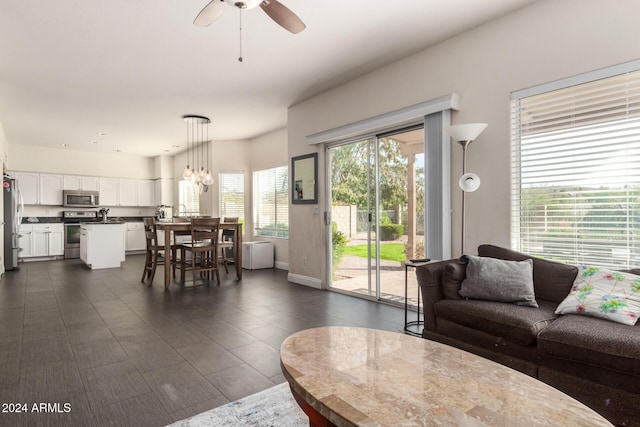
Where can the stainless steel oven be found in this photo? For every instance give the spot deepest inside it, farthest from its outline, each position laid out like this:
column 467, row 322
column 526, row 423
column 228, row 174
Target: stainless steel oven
column 72, row 220
column 80, row 199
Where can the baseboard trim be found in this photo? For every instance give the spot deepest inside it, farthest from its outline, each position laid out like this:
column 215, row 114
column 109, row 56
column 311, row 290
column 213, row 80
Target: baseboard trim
column 312, row 282
column 282, row 265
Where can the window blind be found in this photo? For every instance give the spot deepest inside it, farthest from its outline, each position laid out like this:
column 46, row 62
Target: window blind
column 188, row 199
column 231, row 194
column 271, row 202
column 576, row 172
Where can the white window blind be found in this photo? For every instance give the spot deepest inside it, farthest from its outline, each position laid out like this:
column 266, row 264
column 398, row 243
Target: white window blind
column 231, row 194
column 271, row 202
column 576, row 172
column 188, row 199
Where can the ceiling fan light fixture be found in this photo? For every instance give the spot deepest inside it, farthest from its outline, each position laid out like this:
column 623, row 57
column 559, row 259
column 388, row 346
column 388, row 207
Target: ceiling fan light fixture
column 248, row 4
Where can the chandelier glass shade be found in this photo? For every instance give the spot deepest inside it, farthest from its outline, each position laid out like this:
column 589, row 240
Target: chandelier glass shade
column 197, row 138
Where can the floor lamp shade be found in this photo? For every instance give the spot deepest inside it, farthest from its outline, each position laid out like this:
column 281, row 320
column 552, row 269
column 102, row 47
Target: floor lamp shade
column 465, row 132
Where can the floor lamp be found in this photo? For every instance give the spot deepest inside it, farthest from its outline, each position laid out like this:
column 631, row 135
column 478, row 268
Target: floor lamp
column 468, row 182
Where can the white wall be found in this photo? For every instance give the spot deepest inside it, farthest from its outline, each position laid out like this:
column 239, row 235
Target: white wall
column 29, row 158
column 545, row 41
column 266, row 152
column 229, row 155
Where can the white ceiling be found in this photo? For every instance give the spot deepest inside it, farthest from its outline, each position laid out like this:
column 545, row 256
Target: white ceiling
column 131, row 68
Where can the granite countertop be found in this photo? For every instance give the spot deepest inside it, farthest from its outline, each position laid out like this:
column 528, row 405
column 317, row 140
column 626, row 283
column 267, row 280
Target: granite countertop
column 58, row 219
column 110, row 222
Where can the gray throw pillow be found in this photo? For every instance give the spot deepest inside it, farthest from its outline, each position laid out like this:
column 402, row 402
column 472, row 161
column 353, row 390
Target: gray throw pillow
column 452, row 277
column 498, row 280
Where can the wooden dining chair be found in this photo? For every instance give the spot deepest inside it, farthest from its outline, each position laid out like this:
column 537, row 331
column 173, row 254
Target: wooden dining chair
column 203, row 249
column 154, row 250
column 226, row 244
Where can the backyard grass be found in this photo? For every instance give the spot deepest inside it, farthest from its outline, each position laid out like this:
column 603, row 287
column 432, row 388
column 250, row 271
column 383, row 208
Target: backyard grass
column 388, row 251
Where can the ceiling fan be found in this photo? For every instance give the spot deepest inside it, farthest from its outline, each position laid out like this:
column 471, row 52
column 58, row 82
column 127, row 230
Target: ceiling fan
column 276, row 11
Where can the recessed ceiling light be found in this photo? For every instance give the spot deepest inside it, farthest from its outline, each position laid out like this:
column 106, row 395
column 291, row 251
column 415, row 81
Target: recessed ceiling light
column 93, row 141
column 64, row 145
column 101, row 133
column 175, row 146
column 117, row 150
column 166, row 151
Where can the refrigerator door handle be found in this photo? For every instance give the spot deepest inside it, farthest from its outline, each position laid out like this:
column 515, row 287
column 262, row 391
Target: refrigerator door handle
column 20, row 208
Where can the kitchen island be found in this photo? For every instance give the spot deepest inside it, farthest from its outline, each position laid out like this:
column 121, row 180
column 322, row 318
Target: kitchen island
column 102, row 244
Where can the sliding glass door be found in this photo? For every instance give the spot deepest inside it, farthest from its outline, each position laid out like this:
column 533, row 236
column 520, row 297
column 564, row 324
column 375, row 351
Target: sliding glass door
column 377, row 201
column 352, row 173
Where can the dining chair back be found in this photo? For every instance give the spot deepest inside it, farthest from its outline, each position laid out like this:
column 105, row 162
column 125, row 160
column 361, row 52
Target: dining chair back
column 202, row 248
column 156, row 253
column 226, row 245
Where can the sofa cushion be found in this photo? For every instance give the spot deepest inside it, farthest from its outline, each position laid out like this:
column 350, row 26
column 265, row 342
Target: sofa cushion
column 452, row 277
column 514, row 323
column 608, row 294
column 593, row 341
column 499, row 280
column 552, row 281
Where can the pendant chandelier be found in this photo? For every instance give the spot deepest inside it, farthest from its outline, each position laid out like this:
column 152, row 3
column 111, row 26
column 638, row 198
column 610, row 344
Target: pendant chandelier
column 197, row 137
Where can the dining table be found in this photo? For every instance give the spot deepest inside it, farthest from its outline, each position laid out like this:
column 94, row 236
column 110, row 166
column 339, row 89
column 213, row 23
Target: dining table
column 182, row 227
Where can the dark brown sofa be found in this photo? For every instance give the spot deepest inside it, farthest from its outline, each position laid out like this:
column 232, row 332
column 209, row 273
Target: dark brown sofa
column 593, row 360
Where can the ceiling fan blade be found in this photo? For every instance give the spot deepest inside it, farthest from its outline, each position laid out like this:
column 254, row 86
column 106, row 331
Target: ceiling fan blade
column 283, row 16
column 210, row 13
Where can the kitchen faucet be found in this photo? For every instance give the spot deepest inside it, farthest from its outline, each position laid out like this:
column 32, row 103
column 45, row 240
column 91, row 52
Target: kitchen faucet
column 185, row 209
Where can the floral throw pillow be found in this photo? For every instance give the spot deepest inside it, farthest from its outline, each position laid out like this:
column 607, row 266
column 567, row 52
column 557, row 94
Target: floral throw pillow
column 608, row 294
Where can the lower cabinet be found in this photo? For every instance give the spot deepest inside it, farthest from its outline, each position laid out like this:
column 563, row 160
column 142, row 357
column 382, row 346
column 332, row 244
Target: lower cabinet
column 41, row 240
column 102, row 244
column 135, row 236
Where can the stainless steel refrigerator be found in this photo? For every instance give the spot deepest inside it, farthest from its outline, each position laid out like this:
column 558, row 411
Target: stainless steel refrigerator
column 12, row 219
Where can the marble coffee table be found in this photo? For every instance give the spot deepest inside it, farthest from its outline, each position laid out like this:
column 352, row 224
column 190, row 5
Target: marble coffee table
column 348, row 376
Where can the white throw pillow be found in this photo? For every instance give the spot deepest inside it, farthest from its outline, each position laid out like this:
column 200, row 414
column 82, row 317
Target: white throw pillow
column 608, row 294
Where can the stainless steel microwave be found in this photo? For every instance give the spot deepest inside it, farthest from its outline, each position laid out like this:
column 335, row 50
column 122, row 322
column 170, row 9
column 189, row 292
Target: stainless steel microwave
column 81, row 199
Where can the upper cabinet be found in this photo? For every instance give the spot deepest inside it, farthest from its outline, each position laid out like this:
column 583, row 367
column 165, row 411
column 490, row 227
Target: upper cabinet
column 46, row 189
column 108, row 191
column 146, row 193
column 90, row 183
column 128, row 192
column 28, row 187
column 51, row 189
column 72, row 182
column 85, row 183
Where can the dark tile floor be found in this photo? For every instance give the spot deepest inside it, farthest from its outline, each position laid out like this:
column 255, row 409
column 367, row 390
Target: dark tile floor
column 100, row 348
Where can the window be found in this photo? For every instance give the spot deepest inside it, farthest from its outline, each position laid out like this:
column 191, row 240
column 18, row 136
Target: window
column 188, row 199
column 576, row 170
column 271, row 202
column 231, row 194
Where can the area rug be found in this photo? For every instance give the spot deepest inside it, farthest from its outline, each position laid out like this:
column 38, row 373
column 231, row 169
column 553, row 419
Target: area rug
column 272, row 407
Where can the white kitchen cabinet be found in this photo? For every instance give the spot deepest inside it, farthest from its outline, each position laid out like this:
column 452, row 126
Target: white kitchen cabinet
column 127, row 192
column 56, row 240
column 24, row 240
column 90, row 183
column 108, row 191
column 84, row 183
column 135, row 236
column 41, row 240
column 72, row 182
column 146, row 193
column 28, row 185
column 51, row 189
column 102, row 245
